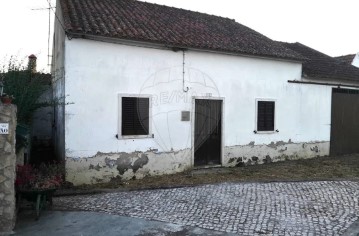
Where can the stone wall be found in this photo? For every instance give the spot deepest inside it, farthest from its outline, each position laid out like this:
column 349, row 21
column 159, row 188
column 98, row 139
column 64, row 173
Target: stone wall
column 7, row 169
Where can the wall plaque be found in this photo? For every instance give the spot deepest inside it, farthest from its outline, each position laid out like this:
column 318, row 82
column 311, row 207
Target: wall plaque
column 4, row 128
column 185, row 116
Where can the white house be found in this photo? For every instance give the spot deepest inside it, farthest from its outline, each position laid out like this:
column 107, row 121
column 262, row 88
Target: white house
column 158, row 90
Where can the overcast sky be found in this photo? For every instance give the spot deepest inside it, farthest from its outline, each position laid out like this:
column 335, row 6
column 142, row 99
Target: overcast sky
column 330, row 26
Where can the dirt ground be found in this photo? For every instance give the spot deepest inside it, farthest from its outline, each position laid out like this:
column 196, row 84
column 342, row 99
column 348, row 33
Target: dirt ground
column 321, row 168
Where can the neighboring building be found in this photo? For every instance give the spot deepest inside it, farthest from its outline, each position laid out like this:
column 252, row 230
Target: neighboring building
column 41, row 127
column 351, row 59
column 41, row 146
column 158, row 90
column 334, row 79
column 41, row 124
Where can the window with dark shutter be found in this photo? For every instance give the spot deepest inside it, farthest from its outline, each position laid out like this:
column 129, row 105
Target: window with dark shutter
column 135, row 116
column 265, row 115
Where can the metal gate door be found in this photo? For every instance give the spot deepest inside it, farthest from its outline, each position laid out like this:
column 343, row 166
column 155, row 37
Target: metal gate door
column 208, row 131
column 345, row 122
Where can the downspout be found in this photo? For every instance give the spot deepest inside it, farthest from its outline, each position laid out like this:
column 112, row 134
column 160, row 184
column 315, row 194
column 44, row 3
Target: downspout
column 184, row 88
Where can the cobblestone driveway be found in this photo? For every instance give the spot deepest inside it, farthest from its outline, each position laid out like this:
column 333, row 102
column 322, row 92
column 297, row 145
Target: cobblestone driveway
column 298, row 208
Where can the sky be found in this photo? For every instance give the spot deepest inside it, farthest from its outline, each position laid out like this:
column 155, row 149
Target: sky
column 329, row 26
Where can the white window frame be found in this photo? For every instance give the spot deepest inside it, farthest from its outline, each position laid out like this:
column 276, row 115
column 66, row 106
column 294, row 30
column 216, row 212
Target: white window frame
column 119, row 131
column 275, row 115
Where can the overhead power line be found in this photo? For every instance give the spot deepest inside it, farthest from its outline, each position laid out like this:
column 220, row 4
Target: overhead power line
column 37, row 9
column 52, row 8
column 48, row 33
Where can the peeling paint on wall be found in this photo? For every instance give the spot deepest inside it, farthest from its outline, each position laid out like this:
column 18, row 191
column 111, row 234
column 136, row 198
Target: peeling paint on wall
column 279, row 144
column 267, row 159
column 136, row 165
column 124, row 166
column 275, row 151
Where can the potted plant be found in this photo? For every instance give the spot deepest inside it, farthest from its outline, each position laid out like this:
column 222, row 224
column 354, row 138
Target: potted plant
column 45, row 176
column 37, row 184
column 7, row 99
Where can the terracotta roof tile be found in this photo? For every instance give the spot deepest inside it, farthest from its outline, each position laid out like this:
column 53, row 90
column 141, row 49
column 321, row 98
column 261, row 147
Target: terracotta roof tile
column 320, row 65
column 141, row 21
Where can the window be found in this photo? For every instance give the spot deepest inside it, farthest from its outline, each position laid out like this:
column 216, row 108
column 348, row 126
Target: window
column 265, row 115
column 135, row 116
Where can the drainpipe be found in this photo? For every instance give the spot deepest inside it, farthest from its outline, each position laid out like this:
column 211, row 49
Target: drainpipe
column 185, row 89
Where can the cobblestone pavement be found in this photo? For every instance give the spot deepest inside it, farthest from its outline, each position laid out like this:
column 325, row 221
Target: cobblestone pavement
column 295, row 208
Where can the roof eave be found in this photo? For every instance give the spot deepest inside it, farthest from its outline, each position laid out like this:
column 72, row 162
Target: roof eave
column 148, row 44
column 324, row 77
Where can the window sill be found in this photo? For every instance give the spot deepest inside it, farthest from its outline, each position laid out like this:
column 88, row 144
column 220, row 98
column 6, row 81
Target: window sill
column 266, row 132
column 120, row 137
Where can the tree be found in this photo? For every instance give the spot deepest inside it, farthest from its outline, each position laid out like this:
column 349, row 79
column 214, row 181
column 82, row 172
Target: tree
column 27, row 87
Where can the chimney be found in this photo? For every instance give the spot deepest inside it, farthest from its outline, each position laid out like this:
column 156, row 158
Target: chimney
column 32, row 63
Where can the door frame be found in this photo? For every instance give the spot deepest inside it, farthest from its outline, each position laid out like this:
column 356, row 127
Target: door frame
column 333, row 91
column 193, row 116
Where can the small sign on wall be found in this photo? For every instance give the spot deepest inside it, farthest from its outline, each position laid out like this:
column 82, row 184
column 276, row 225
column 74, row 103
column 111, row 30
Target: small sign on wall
column 185, row 116
column 4, row 128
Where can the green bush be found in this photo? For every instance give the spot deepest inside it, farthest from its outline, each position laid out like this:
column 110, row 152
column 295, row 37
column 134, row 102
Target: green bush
column 26, row 87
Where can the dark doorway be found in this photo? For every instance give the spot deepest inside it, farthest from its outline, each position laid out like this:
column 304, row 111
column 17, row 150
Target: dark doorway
column 208, row 132
column 345, row 122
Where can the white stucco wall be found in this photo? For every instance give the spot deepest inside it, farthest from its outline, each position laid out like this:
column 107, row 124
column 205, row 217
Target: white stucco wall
column 97, row 72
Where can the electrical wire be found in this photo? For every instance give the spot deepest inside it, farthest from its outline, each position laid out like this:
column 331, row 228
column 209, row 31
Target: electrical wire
column 52, row 8
column 48, row 39
column 184, row 88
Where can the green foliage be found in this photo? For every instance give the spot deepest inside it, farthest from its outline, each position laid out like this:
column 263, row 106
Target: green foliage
column 26, row 87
